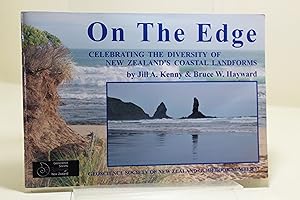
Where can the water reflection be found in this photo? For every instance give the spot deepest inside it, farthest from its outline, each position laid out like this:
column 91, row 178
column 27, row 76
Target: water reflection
column 195, row 145
column 161, row 139
column 163, row 148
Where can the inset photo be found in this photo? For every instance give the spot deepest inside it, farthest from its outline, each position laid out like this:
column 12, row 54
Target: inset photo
column 179, row 123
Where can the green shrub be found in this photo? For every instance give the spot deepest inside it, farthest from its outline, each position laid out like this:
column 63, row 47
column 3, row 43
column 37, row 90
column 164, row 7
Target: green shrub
column 35, row 37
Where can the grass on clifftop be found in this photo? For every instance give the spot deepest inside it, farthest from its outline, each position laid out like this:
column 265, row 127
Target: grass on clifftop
column 44, row 51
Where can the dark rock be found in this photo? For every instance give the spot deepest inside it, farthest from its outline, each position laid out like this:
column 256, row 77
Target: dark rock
column 161, row 112
column 196, row 113
column 119, row 110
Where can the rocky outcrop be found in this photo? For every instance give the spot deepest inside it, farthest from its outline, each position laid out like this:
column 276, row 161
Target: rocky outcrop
column 119, row 110
column 196, row 113
column 46, row 67
column 161, row 112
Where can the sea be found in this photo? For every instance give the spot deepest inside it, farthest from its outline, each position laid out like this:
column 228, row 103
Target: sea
column 83, row 99
column 166, row 141
column 182, row 141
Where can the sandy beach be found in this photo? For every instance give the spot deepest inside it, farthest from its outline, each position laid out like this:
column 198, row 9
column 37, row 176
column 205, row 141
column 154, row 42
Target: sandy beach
column 99, row 130
column 262, row 142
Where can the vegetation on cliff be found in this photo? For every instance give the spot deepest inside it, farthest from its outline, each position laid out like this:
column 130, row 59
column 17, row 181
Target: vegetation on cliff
column 46, row 65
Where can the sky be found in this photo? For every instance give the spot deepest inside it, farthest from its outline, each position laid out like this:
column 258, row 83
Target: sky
column 220, row 99
column 71, row 28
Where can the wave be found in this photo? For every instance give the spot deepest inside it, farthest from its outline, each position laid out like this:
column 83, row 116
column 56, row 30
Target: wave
column 90, row 82
column 169, row 121
column 99, row 75
column 88, row 86
column 261, row 91
column 82, row 96
column 193, row 126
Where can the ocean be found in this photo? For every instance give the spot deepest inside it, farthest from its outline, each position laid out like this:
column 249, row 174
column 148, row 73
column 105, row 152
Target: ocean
column 83, row 99
column 182, row 141
column 164, row 141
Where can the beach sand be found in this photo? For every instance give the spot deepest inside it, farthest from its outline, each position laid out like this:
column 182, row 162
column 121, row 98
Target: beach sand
column 262, row 142
column 99, row 130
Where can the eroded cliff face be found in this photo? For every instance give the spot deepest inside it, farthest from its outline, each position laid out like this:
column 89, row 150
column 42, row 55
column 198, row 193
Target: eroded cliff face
column 45, row 129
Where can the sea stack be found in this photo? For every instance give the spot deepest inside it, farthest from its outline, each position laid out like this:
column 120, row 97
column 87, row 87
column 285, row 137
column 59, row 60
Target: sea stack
column 196, row 113
column 161, row 112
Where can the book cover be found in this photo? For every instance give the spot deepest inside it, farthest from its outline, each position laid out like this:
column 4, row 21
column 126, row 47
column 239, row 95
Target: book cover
column 143, row 98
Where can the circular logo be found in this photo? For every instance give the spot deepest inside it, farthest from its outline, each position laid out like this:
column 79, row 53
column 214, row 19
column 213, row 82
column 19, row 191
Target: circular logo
column 43, row 170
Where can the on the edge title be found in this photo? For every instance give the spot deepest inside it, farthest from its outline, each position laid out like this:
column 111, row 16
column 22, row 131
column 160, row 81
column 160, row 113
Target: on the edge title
column 98, row 31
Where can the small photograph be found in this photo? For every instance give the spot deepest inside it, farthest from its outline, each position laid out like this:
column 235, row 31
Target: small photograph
column 179, row 123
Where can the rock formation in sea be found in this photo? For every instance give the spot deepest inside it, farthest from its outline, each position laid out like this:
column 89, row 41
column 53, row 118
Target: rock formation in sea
column 195, row 112
column 119, row 110
column 161, row 112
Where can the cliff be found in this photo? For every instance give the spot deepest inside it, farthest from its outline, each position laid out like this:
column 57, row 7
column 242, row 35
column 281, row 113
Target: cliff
column 161, row 112
column 46, row 64
column 119, row 110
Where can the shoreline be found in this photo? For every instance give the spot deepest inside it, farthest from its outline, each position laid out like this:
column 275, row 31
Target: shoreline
column 101, row 132
column 84, row 130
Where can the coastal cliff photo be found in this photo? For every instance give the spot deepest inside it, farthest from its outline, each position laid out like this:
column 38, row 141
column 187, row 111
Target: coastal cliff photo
column 48, row 136
column 169, row 123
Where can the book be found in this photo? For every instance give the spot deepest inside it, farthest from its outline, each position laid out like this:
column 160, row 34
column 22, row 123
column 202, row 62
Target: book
column 143, row 98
